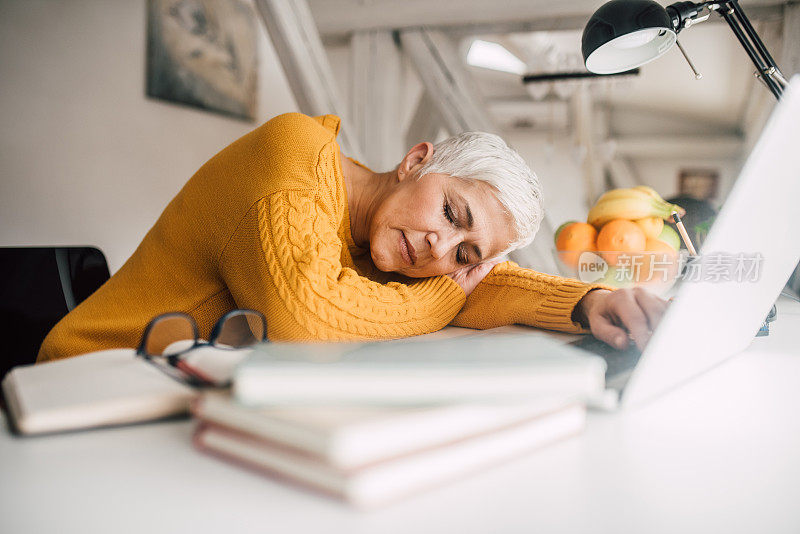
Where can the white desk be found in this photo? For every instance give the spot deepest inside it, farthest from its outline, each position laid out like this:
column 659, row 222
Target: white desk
column 720, row 454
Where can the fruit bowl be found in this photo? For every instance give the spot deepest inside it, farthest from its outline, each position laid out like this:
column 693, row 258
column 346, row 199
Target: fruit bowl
column 656, row 272
column 624, row 243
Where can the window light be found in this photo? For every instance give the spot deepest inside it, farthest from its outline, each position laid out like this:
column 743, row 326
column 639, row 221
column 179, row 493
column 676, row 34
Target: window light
column 494, row 56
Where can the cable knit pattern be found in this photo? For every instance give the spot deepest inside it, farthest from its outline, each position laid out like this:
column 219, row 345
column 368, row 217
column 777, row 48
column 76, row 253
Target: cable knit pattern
column 264, row 224
column 329, row 301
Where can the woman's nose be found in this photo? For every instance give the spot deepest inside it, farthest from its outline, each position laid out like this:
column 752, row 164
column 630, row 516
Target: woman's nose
column 441, row 243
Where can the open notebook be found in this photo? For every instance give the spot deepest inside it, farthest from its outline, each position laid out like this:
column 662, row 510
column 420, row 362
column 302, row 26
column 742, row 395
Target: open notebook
column 103, row 388
column 109, row 387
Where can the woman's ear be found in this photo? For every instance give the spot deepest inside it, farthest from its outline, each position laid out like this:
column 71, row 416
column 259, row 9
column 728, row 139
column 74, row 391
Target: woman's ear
column 418, row 156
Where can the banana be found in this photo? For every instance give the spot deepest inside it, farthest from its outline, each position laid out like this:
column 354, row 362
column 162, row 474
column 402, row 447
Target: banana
column 623, row 193
column 622, row 208
column 649, row 190
column 653, row 193
column 632, row 203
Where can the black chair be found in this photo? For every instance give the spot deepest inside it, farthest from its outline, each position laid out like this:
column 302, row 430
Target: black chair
column 38, row 286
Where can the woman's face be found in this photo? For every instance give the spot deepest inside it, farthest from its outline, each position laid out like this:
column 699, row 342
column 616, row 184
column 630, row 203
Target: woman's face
column 437, row 224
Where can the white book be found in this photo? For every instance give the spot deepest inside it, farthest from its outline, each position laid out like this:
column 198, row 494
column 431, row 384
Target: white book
column 473, row 368
column 109, row 387
column 351, row 436
column 386, row 481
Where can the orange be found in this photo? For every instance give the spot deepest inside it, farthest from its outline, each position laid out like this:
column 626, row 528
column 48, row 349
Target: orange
column 573, row 239
column 558, row 230
column 620, row 236
column 659, row 263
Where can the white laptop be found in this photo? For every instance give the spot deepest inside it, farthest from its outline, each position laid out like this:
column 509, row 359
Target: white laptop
column 718, row 315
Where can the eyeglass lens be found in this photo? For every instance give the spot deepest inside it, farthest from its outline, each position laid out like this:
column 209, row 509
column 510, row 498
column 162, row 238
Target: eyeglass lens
column 170, row 335
column 240, row 330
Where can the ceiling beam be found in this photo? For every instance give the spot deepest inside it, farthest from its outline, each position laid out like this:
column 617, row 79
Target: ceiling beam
column 681, row 146
column 338, row 18
column 662, row 112
column 622, row 173
column 551, row 115
column 375, row 97
column 578, row 22
column 585, row 136
column 345, row 16
column 294, row 35
column 447, row 81
column 425, row 124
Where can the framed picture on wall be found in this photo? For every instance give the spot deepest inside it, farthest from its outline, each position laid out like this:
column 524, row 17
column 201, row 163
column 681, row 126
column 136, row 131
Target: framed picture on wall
column 203, row 53
column 702, row 184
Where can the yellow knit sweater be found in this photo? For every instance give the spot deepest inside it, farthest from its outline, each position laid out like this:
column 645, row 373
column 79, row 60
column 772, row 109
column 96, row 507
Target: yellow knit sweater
column 264, row 225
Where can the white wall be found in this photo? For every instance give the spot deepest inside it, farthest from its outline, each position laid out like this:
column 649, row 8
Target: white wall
column 662, row 174
column 85, row 157
column 556, row 163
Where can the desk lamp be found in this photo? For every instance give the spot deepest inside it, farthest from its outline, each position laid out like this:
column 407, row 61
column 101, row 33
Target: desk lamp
column 624, row 34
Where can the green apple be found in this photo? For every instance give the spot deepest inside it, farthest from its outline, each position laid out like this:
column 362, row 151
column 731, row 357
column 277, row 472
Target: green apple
column 615, row 278
column 669, row 236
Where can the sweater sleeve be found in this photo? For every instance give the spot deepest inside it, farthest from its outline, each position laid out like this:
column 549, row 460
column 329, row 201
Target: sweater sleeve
column 309, row 295
column 511, row 294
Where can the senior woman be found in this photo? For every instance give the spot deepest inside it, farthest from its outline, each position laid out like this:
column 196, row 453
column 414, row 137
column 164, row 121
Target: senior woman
column 281, row 222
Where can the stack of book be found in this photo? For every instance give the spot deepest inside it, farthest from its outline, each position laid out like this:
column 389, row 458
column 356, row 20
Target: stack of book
column 371, row 423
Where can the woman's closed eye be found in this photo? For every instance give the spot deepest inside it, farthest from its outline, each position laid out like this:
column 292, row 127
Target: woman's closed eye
column 462, row 256
column 449, row 215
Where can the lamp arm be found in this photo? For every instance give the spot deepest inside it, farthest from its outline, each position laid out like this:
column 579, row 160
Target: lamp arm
column 732, row 13
column 768, row 70
column 751, row 32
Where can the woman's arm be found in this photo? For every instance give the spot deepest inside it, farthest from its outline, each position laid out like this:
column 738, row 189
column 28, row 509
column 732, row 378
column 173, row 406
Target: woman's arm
column 510, row 294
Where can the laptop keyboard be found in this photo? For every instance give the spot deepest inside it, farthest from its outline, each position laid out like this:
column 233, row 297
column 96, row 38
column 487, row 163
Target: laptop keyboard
column 617, row 361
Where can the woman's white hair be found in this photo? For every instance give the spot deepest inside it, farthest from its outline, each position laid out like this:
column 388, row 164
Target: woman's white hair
column 486, row 157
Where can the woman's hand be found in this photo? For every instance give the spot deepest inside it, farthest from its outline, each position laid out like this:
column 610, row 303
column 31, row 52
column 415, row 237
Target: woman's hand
column 470, row 276
column 617, row 316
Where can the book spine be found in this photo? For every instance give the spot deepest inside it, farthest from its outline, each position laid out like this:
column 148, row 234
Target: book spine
column 369, row 458
column 390, row 480
column 199, row 444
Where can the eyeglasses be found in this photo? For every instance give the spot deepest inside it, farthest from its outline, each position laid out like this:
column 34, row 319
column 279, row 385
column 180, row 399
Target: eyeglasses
column 168, row 338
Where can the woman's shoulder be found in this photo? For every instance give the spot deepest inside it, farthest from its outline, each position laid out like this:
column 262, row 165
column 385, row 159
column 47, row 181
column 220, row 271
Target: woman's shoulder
column 297, row 131
column 290, row 146
column 325, row 125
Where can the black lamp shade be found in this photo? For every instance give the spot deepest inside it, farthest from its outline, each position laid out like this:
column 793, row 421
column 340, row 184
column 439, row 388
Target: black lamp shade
column 624, row 34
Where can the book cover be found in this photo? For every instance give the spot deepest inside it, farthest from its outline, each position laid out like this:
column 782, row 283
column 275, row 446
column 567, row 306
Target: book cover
column 404, row 372
column 350, row 436
column 383, row 482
